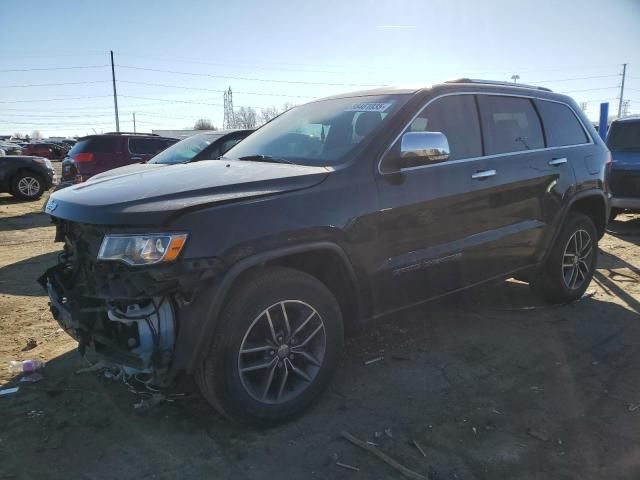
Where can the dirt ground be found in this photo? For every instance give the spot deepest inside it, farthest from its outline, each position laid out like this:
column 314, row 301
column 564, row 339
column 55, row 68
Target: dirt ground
column 490, row 383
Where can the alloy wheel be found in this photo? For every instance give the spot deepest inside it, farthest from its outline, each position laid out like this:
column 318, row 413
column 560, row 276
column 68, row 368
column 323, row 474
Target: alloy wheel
column 29, row 186
column 576, row 260
column 282, row 352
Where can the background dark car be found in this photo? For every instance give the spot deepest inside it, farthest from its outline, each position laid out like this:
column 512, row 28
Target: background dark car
column 98, row 153
column 11, row 148
column 46, row 150
column 202, row 146
column 25, row 177
column 624, row 180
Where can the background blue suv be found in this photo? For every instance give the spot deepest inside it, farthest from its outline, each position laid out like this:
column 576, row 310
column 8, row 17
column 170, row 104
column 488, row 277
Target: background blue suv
column 624, row 142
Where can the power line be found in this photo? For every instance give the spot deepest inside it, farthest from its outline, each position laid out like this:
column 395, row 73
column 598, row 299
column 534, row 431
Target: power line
column 573, row 79
column 175, row 101
column 253, row 79
column 589, row 89
column 211, row 89
column 56, row 116
column 39, row 69
column 53, row 84
column 53, row 99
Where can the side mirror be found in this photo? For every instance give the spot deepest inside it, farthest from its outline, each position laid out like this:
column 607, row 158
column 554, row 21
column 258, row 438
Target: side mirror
column 418, row 149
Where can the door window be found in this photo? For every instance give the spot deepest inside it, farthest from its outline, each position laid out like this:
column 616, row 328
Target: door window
column 509, row 124
column 561, row 125
column 146, row 146
column 456, row 117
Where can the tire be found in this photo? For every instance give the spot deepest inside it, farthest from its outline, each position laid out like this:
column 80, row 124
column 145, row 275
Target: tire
column 244, row 323
column 614, row 213
column 27, row 186
column 559, row 282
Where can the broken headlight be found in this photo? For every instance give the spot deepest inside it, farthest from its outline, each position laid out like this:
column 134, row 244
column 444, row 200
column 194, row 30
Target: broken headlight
column 142, row 249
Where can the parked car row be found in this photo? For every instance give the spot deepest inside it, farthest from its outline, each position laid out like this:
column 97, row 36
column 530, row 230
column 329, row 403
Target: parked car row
column 247, row 272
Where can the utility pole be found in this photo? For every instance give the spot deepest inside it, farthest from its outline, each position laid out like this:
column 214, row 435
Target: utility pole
column 134, row 122
column 624, row 74
column 115, row 94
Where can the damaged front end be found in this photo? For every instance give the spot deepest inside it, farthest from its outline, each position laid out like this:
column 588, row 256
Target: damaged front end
column 129, row 315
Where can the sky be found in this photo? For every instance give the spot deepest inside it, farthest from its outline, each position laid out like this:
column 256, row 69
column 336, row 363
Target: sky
column 174, row 58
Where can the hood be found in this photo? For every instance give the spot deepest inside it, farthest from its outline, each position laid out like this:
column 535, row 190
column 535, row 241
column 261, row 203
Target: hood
column 149, row 196
column 625, row 160
column 133, row 168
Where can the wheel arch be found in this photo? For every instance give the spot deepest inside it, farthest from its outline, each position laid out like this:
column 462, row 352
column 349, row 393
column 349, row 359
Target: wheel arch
column 593, row 204
column 320, row 259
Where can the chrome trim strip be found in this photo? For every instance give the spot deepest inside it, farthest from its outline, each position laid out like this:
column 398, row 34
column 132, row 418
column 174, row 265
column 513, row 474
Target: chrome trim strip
column 497, row 155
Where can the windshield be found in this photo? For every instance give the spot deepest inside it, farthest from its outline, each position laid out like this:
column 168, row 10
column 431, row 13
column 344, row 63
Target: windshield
column 185, row 150
column 624, row 136
column 319, row 133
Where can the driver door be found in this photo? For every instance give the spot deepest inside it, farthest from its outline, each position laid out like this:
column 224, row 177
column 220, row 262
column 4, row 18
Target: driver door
column 429, row 240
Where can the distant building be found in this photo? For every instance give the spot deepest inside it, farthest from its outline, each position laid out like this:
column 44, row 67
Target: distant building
column 178, row 133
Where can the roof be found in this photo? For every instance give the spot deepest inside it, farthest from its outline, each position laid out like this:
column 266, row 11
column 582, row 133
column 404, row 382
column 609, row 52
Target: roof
column 516, row 87
column 633, row 119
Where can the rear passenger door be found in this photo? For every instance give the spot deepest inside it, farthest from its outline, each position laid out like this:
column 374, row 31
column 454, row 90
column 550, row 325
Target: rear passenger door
column 527, row 182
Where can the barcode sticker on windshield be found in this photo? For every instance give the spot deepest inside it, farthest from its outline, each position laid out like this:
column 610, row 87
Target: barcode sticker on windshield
column 368, row 107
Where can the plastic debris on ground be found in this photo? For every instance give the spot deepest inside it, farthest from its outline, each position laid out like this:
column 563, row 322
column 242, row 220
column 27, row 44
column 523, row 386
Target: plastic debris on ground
column 32, row 378
column 9, row 391
column 25, row 366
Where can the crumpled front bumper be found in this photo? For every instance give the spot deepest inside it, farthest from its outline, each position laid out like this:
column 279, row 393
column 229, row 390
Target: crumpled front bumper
column 91, row 300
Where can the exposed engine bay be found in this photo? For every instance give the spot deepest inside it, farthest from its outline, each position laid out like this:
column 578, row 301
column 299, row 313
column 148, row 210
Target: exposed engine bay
column 128, row 316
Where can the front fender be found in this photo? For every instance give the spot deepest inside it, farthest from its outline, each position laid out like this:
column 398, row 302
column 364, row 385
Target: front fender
column 199, row 320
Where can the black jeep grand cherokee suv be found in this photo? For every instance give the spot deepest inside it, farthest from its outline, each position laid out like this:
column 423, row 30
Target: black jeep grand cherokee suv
column 246, row 271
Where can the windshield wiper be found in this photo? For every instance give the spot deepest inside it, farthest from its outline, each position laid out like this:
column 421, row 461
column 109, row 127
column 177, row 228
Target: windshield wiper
column 265, row 158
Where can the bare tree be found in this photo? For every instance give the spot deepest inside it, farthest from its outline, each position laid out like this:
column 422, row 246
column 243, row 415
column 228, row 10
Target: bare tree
column 204, row 124
column 36, row 135
column 18, row 135
column 286, row 106
column 268, row 113
column 246, row 117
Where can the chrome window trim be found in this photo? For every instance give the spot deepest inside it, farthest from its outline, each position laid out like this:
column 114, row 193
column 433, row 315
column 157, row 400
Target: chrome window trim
column 497, row 155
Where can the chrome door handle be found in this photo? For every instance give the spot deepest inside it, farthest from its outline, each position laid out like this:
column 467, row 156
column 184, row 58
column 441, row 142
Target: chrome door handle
column 557, row 161
column 483, row 174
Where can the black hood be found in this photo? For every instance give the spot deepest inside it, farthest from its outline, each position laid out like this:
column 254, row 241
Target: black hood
column 149, row 196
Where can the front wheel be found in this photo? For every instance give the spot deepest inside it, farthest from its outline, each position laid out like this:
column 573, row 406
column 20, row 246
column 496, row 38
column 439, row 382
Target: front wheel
column 571, row 263
column 27, row 186
column 275, row 348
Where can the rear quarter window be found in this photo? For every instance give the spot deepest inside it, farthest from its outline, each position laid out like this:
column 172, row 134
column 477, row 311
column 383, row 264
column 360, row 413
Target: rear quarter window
column 509, row 124
column 561, row 125
column 148, row 146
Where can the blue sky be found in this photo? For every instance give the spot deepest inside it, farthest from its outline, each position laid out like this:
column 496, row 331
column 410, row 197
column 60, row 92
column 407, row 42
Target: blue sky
column 292, row 51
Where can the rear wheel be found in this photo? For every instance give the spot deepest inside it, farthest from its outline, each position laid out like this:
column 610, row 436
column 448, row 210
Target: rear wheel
column 27, row 186
column 571, row 263
column 275, row 349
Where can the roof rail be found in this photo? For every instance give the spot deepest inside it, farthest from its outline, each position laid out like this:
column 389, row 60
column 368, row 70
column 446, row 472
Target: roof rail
column 132, row 133
column 495, row 82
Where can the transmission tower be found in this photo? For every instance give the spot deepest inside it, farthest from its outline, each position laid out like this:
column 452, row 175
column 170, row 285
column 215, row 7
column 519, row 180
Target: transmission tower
column 229, row 120
column 625, row 107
